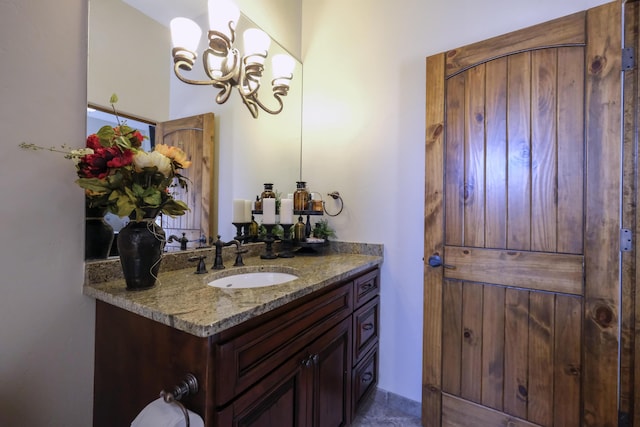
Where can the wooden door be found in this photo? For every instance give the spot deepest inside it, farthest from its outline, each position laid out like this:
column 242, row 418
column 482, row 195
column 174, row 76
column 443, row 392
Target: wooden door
column 522, row 227
column 195, row 135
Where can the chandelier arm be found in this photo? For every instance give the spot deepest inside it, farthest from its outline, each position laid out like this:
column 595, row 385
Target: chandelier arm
column 230, row 72
column 224, row 86
column 250, row 102
column 176, row 69
column 267, row 109
column 224, row 93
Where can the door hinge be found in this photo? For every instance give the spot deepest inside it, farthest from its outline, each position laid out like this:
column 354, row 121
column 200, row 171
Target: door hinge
column 623, row 419
column 628, row 58
column 626, row 240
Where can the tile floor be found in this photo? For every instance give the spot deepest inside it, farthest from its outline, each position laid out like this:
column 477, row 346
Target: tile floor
column 386, row 409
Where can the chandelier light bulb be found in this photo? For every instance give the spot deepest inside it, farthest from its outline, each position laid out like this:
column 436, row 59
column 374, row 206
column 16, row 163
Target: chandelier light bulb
column 185, row 34
column 221, row 13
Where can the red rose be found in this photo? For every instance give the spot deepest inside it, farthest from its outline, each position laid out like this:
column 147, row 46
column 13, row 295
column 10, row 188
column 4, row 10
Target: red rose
column 99, row 164
column 136, row 139
column 93, row 141
column 120, row 158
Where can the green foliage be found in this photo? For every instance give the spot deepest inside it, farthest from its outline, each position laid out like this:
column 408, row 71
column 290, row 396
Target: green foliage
column 322, row 230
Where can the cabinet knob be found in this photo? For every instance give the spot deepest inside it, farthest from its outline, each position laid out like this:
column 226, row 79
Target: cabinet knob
column 367, row 326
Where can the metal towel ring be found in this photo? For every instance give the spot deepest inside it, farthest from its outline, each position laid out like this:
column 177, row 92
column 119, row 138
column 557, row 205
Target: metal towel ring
column 188, row 386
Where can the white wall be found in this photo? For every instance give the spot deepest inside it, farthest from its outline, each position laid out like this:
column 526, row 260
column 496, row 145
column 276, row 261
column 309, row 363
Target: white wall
column 279, row 18
column 46, row 324
column 363, row 133
column 127, row 53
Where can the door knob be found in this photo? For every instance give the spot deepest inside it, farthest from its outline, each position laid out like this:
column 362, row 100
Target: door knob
column 435, row 260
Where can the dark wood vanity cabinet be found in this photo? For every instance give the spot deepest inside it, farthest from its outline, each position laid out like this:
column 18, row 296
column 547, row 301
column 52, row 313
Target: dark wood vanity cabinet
column 309, row 363
column 310, row 389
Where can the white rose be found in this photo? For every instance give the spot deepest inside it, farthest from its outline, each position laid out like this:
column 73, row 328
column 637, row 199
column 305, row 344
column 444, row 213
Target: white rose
column 142, row 159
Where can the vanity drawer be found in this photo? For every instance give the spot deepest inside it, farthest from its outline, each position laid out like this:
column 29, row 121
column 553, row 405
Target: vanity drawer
column 366, row 324
column 364, row 380
column 250, row 353
column 366, row 287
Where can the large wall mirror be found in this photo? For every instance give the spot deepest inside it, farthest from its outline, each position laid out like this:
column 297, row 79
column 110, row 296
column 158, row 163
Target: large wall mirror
column 130, row 55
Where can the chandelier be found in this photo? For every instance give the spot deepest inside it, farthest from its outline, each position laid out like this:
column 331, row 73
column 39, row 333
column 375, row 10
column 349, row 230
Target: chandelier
column 225, row 67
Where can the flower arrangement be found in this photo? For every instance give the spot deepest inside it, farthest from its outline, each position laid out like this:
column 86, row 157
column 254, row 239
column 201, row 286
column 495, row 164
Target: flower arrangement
column 117, row 174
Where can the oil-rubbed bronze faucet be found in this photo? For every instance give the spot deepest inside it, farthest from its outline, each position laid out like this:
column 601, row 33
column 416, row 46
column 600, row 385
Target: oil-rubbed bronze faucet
column 182, row 240
column 219, row 244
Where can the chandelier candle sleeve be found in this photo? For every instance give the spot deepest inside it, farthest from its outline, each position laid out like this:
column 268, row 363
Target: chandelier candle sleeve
column 282, row 66
column 286, row 211
column 185, row 34
column 269, row 211
column 223, row 14
column 256, row 45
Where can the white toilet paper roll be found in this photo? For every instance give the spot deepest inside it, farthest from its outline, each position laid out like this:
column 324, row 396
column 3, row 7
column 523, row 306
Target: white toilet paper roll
column 161, row 414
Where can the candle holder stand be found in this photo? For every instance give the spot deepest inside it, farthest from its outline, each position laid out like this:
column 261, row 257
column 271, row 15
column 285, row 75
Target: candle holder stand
column 268, row 241
column 242, row 231
column 287, row 242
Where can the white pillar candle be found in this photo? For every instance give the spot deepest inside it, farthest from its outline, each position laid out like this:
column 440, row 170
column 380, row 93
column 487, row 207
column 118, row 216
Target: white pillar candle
column 247, row 210
column 269, row 211
column 238, row 210
column 286, row 211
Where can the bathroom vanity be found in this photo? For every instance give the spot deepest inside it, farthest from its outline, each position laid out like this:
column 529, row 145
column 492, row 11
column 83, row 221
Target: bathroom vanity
column 304, row 353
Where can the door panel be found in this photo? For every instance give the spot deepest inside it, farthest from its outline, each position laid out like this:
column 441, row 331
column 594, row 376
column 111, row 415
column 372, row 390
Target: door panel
column 513, row 350
column 194, row 135
column 509, row 316
column 535, row 270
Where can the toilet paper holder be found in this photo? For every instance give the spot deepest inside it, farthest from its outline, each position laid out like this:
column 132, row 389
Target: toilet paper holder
column 189, row 385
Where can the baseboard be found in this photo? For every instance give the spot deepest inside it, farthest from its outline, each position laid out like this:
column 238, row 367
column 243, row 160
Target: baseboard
column 397, row 402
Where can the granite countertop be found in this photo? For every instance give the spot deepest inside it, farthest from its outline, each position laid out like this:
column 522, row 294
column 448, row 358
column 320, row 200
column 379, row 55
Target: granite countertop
column 183, row 300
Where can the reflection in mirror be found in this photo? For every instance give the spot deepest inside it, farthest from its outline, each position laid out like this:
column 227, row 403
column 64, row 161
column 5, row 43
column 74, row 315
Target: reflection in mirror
column 96, row 119
column 226, row 67
column 193, row 135
column 130, row 55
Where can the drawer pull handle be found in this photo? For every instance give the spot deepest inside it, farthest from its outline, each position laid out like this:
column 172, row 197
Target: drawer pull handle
column 310, row 360
column 366, row 286
column 367, row 326
column 367, row 377
column 307, row 362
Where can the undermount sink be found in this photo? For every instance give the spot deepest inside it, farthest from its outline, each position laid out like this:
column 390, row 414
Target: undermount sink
column 252, row 280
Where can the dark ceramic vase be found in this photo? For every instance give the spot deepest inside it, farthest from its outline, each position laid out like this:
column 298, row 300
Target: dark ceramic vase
column 98, row 234
column 140, row 246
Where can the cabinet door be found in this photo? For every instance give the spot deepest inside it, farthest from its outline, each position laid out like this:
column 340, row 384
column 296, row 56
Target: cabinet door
column 279, row 400
column 331, row 360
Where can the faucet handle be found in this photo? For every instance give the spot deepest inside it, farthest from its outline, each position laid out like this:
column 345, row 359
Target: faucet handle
column 202, row 268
